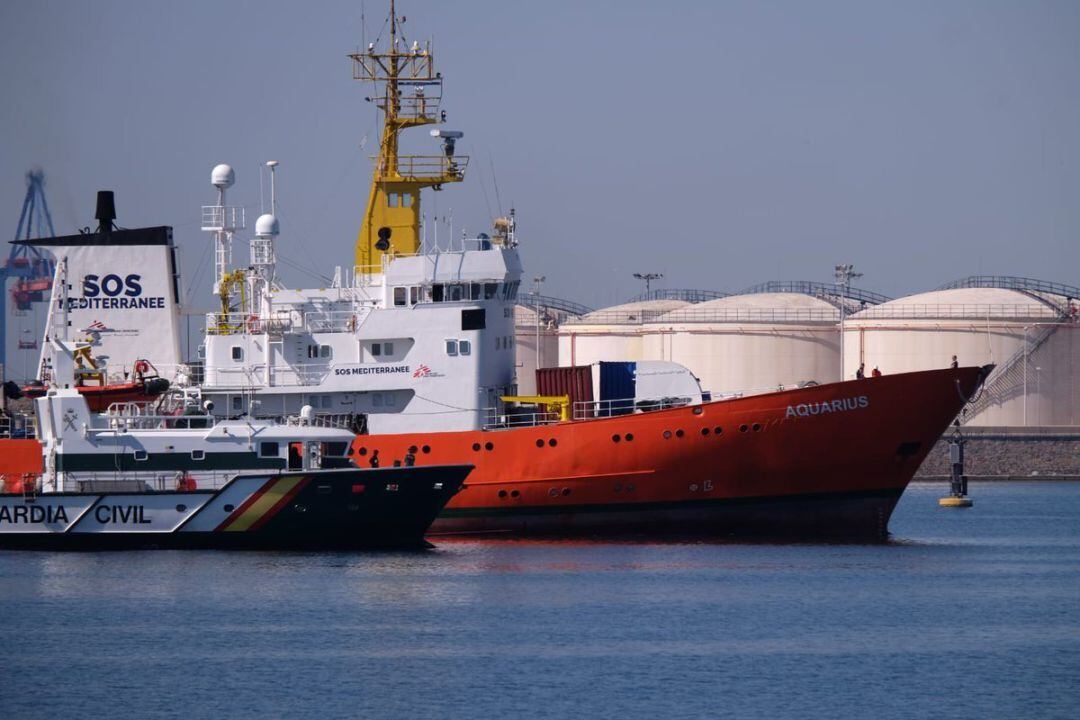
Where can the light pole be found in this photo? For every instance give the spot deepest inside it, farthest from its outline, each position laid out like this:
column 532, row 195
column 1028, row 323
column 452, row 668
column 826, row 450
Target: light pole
column 1038, row 395
column 844, row 275
column 537, row 282
column 648, row 278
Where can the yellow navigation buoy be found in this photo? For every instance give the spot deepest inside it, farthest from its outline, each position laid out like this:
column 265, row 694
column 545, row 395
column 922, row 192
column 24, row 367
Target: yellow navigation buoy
column 955, row 501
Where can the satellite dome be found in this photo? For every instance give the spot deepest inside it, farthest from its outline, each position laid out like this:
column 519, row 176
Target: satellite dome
column 222, row 176
column 266, row 225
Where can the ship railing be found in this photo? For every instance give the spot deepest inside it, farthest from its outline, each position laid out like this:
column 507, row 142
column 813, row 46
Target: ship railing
column 496, row 420
column 334, row 320
column 342, row 421
column 237, row 323
column 587, row 409
column 219, row 217
column 17, row 426
column 424, row 167
column 141, row 416
column 129, row 481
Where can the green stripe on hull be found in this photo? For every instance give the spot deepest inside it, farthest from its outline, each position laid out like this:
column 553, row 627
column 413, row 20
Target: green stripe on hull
column 126, row 462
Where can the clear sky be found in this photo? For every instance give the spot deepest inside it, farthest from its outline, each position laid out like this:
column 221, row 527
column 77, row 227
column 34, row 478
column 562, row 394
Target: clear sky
column 721, row 143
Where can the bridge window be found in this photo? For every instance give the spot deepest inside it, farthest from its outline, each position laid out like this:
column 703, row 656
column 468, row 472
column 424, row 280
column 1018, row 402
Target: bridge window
column 268, row 449
column 455, row 293
column 452, row 347
column 392, row 199
column 141, row 455
column 436, row 293
column 376, row 349
column 414, row 295
column 198, row 454
column 490, row 289
column 399, row 296
column 464, row 347
column 237, row 353
column 474, row 291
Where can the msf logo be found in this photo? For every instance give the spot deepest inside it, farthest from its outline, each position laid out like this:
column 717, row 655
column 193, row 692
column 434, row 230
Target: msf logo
column 422, row 371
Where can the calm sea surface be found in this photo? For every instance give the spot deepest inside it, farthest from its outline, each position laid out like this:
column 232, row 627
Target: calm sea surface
column 965, row 614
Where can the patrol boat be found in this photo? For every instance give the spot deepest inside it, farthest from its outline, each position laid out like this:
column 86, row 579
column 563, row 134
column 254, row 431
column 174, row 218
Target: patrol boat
column 134, row 477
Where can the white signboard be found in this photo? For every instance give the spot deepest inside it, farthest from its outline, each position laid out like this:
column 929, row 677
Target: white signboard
column 122, row 297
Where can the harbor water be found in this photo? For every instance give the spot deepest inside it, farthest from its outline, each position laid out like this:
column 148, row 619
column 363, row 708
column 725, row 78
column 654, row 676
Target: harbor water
column 963, row 614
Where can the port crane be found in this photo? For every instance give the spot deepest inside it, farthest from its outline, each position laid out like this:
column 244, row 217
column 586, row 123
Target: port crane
column 31, row 268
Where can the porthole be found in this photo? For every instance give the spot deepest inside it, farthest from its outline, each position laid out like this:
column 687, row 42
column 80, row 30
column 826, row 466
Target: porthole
column 718, row 430
column 489, row 446
column 363, row 451
column 229, row 508
column 756, row 427
column 299, row 508
column 412, row 449
column 704, row 431
column 553, row 442
column 539, row 442
column 630, row 487
column 615, row 438
column 515, row 493
column 426, row 449
column 698, row 410
column 679, row 433
column 476, row 447
column 565, row 491
column 553, row 492
column 181, row 508
column 667, row 434
column 502, row 493
column 629, row 437
column 618, row 487
column 742, row 428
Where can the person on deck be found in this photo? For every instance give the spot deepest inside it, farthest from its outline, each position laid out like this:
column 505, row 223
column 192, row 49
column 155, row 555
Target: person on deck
column 374, row 462
column 861, row 372
column 876, row 372
column 954, row 364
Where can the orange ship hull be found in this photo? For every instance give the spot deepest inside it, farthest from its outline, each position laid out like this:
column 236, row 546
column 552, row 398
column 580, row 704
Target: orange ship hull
column 774, row 465
column 830, row 459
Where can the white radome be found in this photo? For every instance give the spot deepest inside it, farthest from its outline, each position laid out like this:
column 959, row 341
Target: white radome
column 222, row 176
column 266, row 225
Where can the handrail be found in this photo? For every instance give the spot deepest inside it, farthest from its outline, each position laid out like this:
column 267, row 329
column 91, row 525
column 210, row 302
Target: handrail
column 531, row 299
column 816, row 289
column 686, row 294
column 1012, row 282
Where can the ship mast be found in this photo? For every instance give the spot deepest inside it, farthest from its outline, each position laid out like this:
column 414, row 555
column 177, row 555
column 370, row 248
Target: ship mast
column 411, row 92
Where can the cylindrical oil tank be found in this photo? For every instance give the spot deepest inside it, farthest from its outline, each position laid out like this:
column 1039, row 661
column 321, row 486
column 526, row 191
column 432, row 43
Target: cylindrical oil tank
column 1030, row 336
column 752, row 342
column 613, row 333
column 553, row 312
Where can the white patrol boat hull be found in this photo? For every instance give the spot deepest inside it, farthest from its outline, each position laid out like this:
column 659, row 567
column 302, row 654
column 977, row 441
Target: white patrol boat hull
column 311, row 509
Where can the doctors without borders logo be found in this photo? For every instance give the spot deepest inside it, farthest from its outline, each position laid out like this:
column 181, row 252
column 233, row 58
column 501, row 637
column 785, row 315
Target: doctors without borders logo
column 827, row 406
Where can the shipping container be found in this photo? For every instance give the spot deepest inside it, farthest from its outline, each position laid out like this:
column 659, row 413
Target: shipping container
column 575, row 382
column 618, row 387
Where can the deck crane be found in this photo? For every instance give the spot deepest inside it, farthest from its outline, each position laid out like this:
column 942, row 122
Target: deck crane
column 31, row 268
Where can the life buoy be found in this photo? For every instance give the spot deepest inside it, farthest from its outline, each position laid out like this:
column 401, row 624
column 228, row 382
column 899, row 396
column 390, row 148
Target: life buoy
column 186, row 483
column 352, row 324
column 142, row 367
column 253, row 323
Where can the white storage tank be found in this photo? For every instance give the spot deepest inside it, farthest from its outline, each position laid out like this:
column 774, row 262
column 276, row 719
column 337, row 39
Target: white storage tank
column 771, row 336
column 1027, row 328
column 553, row 312
column 612, row 333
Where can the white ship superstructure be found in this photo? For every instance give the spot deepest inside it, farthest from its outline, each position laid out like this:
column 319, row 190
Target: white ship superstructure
column 427, row 342
column 412, row 337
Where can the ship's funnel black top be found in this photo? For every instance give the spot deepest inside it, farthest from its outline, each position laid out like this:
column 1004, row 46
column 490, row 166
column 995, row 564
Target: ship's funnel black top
column 106, row 211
